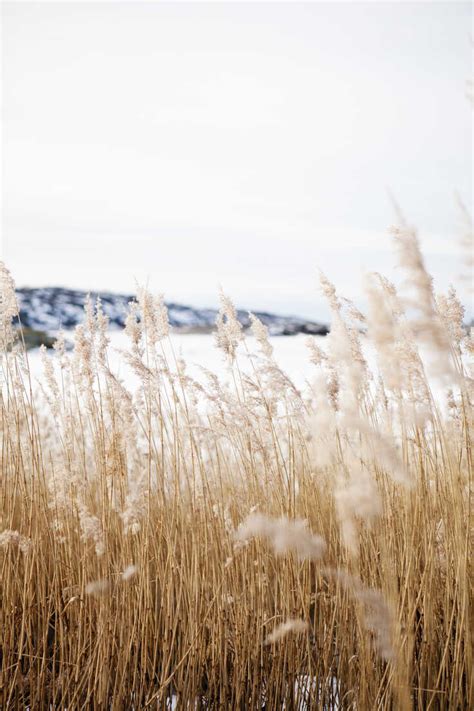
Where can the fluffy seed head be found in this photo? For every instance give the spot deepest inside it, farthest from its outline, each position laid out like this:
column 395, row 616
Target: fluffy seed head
column 283, row 535
column 292, row 625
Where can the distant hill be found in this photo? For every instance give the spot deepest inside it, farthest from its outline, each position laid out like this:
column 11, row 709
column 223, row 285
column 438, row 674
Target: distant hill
column 51, row 308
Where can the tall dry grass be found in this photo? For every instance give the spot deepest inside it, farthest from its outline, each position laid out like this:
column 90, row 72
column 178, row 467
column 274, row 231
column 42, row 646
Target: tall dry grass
column 238, row 544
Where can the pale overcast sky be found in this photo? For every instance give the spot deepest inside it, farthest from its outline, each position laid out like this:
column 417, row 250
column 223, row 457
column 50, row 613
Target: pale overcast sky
column 189, row 145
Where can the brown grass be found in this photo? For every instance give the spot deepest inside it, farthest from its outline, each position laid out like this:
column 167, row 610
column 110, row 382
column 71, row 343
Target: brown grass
column 167, row 541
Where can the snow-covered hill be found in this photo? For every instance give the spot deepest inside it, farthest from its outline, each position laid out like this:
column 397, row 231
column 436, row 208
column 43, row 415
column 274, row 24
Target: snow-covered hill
column 51, row 308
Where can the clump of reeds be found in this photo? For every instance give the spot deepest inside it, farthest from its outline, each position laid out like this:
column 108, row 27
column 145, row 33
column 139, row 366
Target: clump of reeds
column 233, row 542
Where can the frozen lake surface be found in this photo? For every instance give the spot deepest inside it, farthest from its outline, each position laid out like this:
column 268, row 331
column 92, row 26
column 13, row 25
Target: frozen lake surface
column 290, row 352
column 200, row 351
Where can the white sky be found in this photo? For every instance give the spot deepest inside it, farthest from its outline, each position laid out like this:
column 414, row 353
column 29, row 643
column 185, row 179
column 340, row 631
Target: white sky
column 242, row 144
